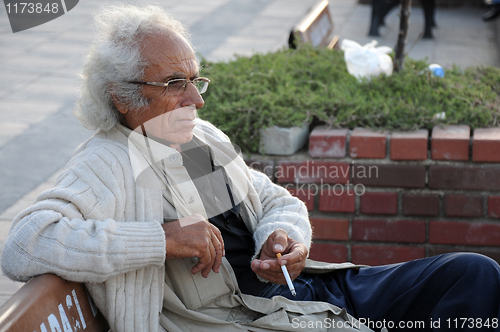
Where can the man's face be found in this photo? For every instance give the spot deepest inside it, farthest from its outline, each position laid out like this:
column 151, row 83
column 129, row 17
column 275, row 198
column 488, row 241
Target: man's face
column 169, row 116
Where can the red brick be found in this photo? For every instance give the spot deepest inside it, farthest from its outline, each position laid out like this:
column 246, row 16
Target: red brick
column 326, row 252
column 330, row 229
column 336, row 201
column 486, row 145
column 306, row 196
column 494, row 206
column 366, row 143
column 463, row 206
column 379, row 203
column 399, row 176
column 388, row 230
column 312, row 171
column 409, row 145
column 450, row 143
column 492, row 253
column 474, row 233
column 327, row 143
column 420, row 204
column 381, row 255
column 264, row 166
column 464, row 177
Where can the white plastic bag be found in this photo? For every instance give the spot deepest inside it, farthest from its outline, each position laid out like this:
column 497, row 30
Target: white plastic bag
column 366, row 61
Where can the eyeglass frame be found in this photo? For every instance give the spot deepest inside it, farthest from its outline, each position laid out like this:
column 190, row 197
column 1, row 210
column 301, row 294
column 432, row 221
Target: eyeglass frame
column 165, row 84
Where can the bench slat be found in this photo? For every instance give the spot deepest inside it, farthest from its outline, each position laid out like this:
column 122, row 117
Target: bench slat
column 49, row 303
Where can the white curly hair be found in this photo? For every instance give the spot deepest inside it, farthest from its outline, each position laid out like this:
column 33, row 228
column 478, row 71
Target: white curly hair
column 115, row 58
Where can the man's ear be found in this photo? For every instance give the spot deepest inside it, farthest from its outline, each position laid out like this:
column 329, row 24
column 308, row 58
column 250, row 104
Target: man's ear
column 120, row 105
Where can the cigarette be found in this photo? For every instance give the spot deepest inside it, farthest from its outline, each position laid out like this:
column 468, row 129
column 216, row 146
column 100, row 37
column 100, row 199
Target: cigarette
column 287, row 277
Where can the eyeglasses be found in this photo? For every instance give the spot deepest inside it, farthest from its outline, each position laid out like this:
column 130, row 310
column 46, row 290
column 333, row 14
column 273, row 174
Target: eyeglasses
column 179, row 85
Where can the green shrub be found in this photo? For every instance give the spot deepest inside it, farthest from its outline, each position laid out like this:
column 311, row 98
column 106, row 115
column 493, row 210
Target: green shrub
column 293, row 87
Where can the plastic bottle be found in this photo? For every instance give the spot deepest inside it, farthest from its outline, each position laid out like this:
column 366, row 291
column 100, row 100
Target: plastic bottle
column 436, row 70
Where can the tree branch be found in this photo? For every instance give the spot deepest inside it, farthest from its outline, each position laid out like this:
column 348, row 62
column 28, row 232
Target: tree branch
column 399, row 59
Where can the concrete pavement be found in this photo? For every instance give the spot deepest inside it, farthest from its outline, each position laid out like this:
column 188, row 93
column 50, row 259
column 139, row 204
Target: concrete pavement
column 39, row 70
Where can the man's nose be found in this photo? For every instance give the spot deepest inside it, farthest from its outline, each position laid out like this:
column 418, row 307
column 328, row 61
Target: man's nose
column 193, row 96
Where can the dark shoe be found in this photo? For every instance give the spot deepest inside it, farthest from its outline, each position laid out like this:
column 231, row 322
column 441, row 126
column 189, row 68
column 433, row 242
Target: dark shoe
column 491, row 14
column 490, row 2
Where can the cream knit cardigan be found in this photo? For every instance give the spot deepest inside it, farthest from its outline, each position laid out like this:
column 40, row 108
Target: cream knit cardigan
column 97, row 226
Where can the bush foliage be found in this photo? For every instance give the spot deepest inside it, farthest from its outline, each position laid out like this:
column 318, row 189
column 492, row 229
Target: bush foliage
column 293, row 87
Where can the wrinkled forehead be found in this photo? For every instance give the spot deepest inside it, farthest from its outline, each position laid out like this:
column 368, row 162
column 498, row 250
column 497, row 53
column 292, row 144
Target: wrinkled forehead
column 169, row 53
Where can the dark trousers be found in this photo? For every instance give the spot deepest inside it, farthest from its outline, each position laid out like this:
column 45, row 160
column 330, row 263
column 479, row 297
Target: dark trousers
column 454, row 292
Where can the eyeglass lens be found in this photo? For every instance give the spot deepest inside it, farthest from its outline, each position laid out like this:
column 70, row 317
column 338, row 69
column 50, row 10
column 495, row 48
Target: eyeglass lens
column 180, row 85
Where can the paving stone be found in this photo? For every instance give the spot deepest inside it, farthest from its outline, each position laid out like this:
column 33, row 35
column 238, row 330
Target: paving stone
column 4, row 298
column 12, row 211
column 35, row 155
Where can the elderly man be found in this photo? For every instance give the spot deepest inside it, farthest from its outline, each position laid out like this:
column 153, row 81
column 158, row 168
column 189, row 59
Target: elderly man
column 168, row 228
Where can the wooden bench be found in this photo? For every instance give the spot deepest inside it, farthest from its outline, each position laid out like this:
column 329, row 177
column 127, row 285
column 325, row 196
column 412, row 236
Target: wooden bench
column 315, row 28
column 48, row 303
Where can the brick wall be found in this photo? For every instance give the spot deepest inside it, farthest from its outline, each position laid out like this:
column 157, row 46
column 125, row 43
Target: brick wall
column 379, row 198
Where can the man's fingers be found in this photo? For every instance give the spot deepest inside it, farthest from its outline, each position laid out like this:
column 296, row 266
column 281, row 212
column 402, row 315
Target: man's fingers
column 206, row 253
column 206, row 261
column 211, row 262
column 295, row 270
column 218, row 246
column 278, row 240
column 218, row 235
column 273, row 276
column 294, row 260
column 293, row 257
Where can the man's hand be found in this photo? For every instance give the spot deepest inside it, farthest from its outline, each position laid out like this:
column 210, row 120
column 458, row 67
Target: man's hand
column 294, row 256
column 194, row 236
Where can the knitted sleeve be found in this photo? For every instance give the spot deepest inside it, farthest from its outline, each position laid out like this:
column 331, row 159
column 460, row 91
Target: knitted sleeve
column 79, row 230
column 279, row 210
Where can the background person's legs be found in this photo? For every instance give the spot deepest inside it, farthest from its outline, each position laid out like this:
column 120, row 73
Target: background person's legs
column 494, row 11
